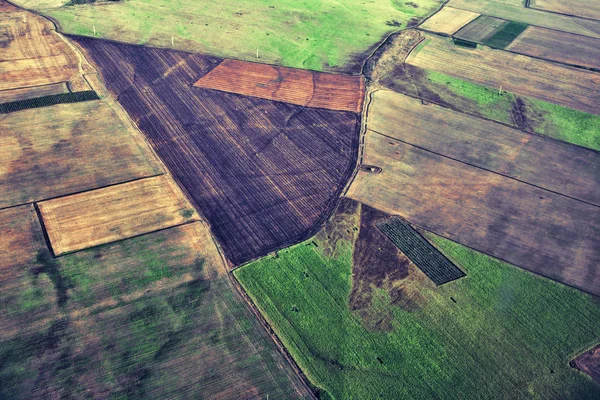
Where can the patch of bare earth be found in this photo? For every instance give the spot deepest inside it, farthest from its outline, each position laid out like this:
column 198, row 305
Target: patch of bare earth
column 589, row 362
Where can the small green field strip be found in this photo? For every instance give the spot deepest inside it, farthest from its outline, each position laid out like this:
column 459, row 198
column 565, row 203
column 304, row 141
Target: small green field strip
column 426, row 257
column 50, row 100
column 505, row 35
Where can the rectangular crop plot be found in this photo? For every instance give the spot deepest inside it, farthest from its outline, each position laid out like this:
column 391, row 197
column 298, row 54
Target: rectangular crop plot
column 560, row 84
column 114, row 213
column 68, row 148
column 288, row 85
column 50, row 100
column 448, row 20
column 533, row 228
column 422, row 253
column 20, row 239
column 580, row 8
column 531, row 16
column 558, row 46
column 494, row 32
column 549, row 164
column 9, row 95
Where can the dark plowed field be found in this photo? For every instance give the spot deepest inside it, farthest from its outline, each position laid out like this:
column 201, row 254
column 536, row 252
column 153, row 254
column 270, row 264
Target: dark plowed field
column 429, row 260
column 264, row 173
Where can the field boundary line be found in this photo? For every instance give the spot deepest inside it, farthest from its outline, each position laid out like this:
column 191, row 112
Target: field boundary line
column 482, row 168
column 44, row 230
column 34, row 86
column 83, row 191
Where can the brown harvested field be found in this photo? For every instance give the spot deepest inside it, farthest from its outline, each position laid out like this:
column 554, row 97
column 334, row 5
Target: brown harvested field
column 558, row 46
column 20, row 238
column 151, row 317
column 32, row 92
column 580, row 8
column 518, row 13
column 68, row 148
column 589, row 362
column 480, row 29
column 264, row 174
column 34, row 54
column 567, row 86
column 550, row 164
column 448, row 20
column 114, row 213
column 538, row 230
column 288, row 85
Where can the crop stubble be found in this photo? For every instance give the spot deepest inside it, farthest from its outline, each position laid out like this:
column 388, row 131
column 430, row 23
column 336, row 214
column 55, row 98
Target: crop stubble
column 448, row 20
column 68, row 148
column 263, row 173
column 288, row 85
column 114, row 213
column 558, row 46
column 549, row 164
column 567, row 86
column 581, row 8
column 535, row 229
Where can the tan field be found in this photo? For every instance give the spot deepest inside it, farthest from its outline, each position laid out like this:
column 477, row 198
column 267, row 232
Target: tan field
column 20, row 240
column 580, row 8
column 34, row 54
column 549, row 164
column 567, row 86
column 114, row 213
column 31, row 92
column 536, row 229
column 518, row 13
column 67, row 148
column 558, row 46
column 448, row 20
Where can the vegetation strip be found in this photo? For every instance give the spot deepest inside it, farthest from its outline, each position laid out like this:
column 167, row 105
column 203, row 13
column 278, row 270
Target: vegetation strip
column 46, row 101
column 429, row 260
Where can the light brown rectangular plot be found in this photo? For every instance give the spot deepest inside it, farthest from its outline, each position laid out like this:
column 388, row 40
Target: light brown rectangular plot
column 541, row 231
column 288, row 85
column 580, row 8
column 67, row 148
column 549, row 164
column 558, row 46
column 448, row 20
column 114, row 213
column 32, row 92
column 526, row 76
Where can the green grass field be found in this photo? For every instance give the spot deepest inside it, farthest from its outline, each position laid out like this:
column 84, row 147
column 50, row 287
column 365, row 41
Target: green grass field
column 314, row 34
column 509, row 334
column 149, row 317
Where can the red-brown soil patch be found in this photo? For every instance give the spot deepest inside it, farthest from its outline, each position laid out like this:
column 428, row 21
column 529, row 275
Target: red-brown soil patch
column 288, row 85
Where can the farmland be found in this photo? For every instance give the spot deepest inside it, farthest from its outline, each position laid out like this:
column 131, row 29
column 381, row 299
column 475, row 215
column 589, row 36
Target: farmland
column 32, row 92
column 558, row 46
column 496, row 339
column 494, row 32
column 448, row 20
column 288, row 85
column 527, row 114
column 580, row 8
column 566, row 86
column 588, row 363
column 114, row 213
column 68, row 148
column 263, row 173
column 518, row 13
column 149, row 317
column 316, row 35
column 549, row 164
column 536, row 229
column 34, row 54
